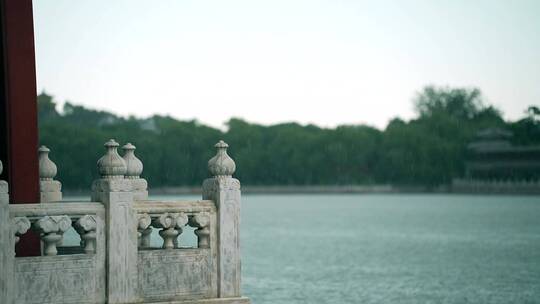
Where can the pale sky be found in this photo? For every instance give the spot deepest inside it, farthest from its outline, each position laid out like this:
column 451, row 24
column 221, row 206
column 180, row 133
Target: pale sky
column 324, row 62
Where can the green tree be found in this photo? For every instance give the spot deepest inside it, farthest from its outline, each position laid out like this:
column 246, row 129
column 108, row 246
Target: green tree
column 428, row 150
column 455, row 102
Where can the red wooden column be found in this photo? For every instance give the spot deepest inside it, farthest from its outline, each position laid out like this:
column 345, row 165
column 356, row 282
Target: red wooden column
column 18, row 122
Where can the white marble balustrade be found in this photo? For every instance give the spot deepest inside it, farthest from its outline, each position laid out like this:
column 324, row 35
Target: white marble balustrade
column 115, row 262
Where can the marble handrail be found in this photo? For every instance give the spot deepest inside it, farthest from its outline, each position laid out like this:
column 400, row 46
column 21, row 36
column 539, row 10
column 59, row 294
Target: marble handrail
column 73, row 209
column 158, row 207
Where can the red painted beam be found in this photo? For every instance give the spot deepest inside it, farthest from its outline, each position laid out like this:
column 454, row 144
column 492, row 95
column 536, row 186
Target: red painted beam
column 19, row 90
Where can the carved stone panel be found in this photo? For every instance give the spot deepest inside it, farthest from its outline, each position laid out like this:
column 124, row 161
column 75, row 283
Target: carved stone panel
column 166, row 275
column 58, row 279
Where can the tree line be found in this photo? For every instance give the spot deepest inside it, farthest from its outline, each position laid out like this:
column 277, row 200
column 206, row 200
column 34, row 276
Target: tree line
column 428, row 150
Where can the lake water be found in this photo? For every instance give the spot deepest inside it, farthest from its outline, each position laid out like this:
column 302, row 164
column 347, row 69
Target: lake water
column 389, row 248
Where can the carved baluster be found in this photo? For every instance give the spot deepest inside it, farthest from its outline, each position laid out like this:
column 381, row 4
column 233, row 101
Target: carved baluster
column 202, row 222
column 86, row 228
column 51, row 229
column 167, row 221
column 20, row 226
column 181, row 221
column 144, row 231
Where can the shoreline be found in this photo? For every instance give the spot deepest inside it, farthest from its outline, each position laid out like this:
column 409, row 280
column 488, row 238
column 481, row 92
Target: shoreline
column 339, row 189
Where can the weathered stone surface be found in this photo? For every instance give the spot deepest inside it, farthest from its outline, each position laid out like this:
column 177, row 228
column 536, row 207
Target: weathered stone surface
column 60, row 279
column 78, row 278
column 211, row 186
column 73, row 209
column 122, row 247
column 225, row 192
column 4, row 188
column 221, row 164
column 47, row 169
column 19, row 226
column 7, row 245
column 50, row 189
column 113, row 268
column 144, row 230
column 50, row 186
column 86, row 227
column 139, row 184
column 139, row 188
column 176, row 274
column 51, row 229
column 134, row 166
column 112, row 185
column 115, row 192
column 239, row 300
column 158, row 207
column 111, row 165
column 54, row 280
column 202, row 222
column 169, row 233
column 49, row 197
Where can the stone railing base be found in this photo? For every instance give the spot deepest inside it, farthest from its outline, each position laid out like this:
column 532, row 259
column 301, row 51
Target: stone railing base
column 240, row 300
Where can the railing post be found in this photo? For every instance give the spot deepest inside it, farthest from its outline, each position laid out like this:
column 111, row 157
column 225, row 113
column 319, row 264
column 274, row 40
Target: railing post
column 224, row 190
column 7, row 246
column 115, row 192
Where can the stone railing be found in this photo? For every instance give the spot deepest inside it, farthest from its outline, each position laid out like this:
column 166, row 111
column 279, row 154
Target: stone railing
column 174, row 270
column 130, row 248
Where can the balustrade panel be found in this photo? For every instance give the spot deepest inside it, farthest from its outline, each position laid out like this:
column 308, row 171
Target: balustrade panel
column 61, row 275
column 171, row 270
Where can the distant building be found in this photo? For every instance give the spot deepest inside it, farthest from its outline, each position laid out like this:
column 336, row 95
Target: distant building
column 494, row 164
column 491, row 156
